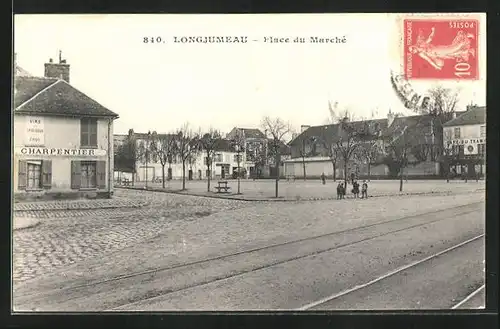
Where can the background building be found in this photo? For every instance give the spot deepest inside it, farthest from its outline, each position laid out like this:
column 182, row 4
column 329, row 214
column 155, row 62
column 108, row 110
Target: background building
column 465, row 142
column 63, row 139
column 313, row 149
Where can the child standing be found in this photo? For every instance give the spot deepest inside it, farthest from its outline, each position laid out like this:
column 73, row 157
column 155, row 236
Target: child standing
column 364, row 190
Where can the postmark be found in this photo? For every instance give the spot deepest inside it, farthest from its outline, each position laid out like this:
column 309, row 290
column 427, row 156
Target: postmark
column 442, row 48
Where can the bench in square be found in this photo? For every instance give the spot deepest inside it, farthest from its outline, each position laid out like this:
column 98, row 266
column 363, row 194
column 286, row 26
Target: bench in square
column 222, row 187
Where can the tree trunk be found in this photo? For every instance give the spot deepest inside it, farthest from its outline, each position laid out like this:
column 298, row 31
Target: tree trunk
column 345, row 173
column 209, row 172
column 163, row 175
column 401, row 180
column 183, row 175
column 369, row 167
column 277, row 173
column 304, row 167
column 334, row 171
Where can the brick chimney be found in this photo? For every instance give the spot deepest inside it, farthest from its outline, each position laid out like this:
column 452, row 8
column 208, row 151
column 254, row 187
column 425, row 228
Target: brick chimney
column 57, row 70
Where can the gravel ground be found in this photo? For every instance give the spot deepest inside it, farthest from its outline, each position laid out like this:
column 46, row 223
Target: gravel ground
column 175, row 229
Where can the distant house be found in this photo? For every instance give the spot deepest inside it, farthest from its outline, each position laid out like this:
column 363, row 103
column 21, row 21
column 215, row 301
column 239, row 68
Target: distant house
column 465, row 142
column 63, row 139
column 256, row 151
column 310, row 148
column 224, row 162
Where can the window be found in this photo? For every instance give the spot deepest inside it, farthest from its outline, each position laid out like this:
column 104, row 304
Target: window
column 88, row 130
column 481, row 149
column 456, row 133
column 483, row 131
column 88, row 174
column 218, row 157
column 34, row 179
column 447, row 134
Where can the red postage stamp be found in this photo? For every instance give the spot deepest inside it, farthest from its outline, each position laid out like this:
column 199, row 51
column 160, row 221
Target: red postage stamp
column 441, row 48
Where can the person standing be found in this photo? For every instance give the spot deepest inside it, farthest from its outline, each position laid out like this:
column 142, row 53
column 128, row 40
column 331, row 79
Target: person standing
column 364, row 190
column 323, row 178
column 339, row 191
column 355, row 189
column 342, row 191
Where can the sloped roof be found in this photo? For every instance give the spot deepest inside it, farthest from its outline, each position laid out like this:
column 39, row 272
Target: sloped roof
column 21, row 72
column 252, row 133
column 284, row 148
column 412, row 122
column 331, row 132
column 35, row 95
column 474, row 116
column 27, row 87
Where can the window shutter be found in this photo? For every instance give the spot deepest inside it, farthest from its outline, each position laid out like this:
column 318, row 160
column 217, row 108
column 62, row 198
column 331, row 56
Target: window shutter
column 76, row 175
column 47, row 174
column 21, row 181
column 101, row 174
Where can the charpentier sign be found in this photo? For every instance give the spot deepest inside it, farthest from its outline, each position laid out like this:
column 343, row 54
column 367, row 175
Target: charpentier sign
column 59, row 151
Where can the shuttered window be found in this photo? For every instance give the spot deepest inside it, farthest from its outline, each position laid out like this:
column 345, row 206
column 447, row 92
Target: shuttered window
column 34, row 178
column 34, row 174
column 88, row 174
column 88, row 132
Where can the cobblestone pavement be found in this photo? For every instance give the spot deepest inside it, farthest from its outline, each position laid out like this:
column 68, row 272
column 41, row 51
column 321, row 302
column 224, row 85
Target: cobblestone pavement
column 75, row 236
column 116, row 202
column 67, row 236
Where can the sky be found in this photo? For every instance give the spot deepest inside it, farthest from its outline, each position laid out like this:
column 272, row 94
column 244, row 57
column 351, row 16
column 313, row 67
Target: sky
column 161, row 86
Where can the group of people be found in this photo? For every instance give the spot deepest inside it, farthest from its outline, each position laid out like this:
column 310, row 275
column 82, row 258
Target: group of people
column 341, row 190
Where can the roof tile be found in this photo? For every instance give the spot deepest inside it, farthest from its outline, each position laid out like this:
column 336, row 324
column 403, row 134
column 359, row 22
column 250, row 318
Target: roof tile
column 60, row 99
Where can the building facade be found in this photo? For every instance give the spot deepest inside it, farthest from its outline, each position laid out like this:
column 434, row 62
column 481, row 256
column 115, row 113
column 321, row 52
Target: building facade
column 465, row 143
column 224, row 161
column 63, row 139
column 313, row 149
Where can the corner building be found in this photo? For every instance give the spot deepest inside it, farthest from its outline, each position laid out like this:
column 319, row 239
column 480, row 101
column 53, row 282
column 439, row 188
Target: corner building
column 63, row 139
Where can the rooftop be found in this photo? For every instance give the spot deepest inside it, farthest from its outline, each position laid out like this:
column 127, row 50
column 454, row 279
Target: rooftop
column 474, row 116
column 38, row 95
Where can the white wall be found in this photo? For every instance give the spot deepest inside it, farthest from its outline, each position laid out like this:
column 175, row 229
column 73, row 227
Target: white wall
column 60, row 132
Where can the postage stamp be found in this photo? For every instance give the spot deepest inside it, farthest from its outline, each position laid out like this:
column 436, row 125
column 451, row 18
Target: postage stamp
column 441, row 48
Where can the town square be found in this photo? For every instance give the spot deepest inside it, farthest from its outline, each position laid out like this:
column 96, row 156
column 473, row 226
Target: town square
column 157, row 190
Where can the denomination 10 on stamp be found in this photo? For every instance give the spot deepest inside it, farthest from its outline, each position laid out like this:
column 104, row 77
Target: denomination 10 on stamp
column 441, row 48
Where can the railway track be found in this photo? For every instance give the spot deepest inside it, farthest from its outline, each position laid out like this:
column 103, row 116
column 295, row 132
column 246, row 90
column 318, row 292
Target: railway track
column 394, row 272
column 363, row 233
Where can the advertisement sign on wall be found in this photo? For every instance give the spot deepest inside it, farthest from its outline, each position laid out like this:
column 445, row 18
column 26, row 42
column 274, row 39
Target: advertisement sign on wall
column 35, row 135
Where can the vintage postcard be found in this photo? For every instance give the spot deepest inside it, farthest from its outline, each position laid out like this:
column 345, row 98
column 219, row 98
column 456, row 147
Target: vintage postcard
column 249, row 162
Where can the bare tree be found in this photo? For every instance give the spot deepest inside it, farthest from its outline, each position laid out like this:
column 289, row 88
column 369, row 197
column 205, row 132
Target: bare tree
column 164, row 148
column 351, row 135
column 208, row 143
column 186, row 144
column 238, row 144
column 330, row 146
column 277, row 130
column 445, row 99
column 307, row 149
column 368, row 152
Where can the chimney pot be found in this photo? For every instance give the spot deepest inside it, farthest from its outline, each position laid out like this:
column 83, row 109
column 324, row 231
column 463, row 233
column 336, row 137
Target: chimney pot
column 57, row 70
